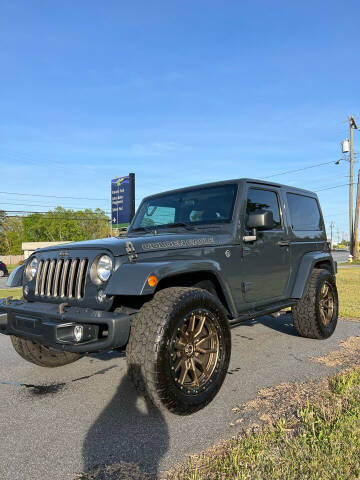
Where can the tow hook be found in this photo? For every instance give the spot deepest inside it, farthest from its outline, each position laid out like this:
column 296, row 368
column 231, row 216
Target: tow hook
column 62, row 308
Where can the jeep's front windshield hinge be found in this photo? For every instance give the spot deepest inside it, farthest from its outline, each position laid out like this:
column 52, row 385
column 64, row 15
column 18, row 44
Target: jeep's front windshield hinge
column 249, row 238
column 131, row 252
column 252, row 237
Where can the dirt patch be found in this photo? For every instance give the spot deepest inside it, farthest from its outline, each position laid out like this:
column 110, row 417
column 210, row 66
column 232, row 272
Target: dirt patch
column 279, row 401
column 347, row 354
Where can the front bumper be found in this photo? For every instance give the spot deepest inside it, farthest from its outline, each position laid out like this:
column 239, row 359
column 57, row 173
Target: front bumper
column 52, row 325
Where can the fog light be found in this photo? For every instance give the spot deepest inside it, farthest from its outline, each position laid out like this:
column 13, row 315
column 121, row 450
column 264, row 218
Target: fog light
column 101, row 296
column 78, row 333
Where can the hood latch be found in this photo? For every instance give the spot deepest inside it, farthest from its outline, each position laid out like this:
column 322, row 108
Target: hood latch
column 131, row 252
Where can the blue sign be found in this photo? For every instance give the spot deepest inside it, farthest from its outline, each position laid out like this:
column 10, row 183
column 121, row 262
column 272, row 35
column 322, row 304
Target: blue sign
column 122, row 200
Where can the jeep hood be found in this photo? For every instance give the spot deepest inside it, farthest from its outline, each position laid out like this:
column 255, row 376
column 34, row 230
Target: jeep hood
column 148, row 243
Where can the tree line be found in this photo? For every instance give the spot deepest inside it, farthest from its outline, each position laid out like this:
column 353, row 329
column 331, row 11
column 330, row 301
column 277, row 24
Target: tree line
column 57, row 225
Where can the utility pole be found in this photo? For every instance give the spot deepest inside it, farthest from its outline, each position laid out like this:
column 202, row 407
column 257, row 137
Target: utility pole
column 332, row 225
column 338, row 235
column 352, row 126
column 357, row 213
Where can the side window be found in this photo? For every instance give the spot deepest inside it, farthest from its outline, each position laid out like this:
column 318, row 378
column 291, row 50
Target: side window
column 156, row 215
column 304, row 212
column 264, row 200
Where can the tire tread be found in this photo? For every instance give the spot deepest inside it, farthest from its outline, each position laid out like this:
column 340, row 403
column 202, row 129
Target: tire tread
column 147, row 335
column 305, row 313
column 40, row 355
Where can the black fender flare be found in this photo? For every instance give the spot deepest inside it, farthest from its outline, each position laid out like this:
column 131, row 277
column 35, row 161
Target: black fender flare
column 131, row 278
column 308, row 262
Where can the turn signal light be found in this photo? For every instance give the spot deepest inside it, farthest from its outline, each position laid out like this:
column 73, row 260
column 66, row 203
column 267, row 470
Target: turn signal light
column 152, row 281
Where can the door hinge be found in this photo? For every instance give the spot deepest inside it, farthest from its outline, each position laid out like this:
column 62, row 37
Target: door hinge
column 245, row 286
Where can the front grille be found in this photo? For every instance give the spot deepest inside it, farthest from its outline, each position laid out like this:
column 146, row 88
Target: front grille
column 63, row 278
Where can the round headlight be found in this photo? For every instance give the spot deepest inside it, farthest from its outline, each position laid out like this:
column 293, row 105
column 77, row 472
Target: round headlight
column 104, row 268
column 32, row 268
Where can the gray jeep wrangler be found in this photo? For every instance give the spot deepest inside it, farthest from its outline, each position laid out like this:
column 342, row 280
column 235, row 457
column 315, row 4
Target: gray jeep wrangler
column 194, row 262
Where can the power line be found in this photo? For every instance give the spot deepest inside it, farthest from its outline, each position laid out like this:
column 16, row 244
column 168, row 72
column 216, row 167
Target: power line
column 107, row 220
column 54, row 216
column 53, row 213
column 52, row 196
column 67, row 219
column 41, row 205
column 335, row 214
column 301, row 169
column 335, row 186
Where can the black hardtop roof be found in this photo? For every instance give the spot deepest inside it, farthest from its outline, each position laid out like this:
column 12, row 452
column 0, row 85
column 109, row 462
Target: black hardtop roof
column 239, row 181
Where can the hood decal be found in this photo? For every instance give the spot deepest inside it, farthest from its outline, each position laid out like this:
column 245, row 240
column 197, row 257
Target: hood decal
column 189, row 242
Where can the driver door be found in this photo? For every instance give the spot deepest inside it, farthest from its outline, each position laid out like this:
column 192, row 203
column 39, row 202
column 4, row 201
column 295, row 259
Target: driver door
column 266, row 261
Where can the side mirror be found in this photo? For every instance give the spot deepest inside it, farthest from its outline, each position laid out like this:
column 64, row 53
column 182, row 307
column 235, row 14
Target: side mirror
column 261, row 219
column 258, row 220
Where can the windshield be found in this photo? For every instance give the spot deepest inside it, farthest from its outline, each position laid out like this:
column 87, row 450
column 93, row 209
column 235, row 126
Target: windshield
column 191, row 207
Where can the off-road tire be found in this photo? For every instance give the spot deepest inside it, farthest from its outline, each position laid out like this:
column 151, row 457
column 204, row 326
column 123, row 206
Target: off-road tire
column 306, row 314
column 148, row 350
column 40, row 355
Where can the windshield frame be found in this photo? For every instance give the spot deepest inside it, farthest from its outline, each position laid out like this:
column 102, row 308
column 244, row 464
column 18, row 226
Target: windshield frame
column 192, row 224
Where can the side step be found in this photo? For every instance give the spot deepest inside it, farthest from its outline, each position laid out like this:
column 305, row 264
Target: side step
column 259, row 312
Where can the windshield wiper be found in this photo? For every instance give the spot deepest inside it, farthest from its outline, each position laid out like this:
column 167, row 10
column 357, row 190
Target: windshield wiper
column 144, row 229
column 154, row 229
column 188, row 226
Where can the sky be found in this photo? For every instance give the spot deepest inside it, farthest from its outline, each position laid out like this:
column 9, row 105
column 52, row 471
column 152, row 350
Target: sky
column 180, row 92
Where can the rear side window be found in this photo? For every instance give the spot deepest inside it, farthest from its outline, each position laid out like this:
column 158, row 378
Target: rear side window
column 304, row 212
column 264, row 200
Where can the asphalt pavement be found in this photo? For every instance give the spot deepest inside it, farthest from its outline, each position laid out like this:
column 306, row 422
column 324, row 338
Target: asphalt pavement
column 58, row 422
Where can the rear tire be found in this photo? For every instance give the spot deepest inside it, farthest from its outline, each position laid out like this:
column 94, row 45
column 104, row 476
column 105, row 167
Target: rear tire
column 179, row 349
column 40, row 355
column 316, row 314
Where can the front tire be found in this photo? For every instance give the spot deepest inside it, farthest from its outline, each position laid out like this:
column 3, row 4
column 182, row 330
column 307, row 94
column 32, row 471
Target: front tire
column 316, row 314
column 179, row 349
column 40, row 355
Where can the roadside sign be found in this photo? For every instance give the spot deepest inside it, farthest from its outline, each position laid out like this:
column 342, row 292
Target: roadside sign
column 122, row 200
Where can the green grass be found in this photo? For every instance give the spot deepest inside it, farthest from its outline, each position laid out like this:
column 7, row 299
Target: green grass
column 322, row 444
column 14, row 292
column 348, row 283
column 11, row 267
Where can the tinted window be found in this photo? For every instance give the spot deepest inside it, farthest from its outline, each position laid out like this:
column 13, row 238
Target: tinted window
column 264, row 200
column 196, row 206
column 158, row 215
column 304, row 212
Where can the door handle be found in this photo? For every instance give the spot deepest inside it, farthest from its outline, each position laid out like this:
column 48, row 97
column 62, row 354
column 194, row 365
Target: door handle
column 283, row 244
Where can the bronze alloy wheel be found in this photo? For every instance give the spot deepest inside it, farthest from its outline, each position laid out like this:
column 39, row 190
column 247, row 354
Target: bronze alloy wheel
column 326, row 303
column 195, row 350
